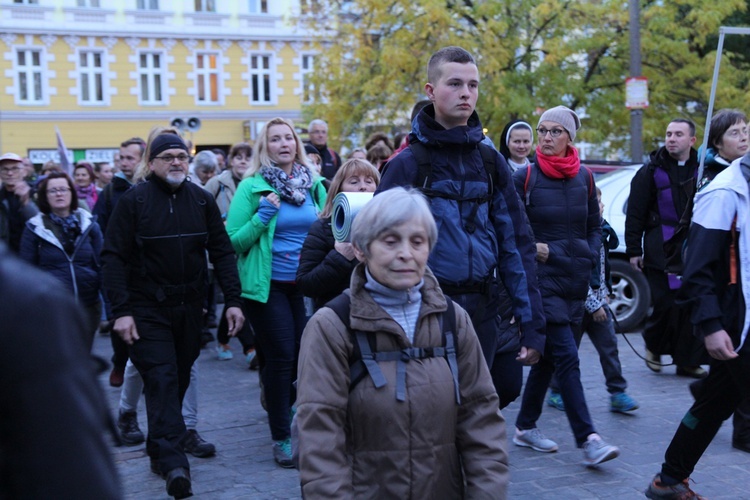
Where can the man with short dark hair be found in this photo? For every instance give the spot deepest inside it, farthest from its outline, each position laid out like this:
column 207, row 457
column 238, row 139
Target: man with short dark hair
column 130, row 155
column 483, row 233
column 331, row 161
column 155, row 276
column 659, row 193
column 16, row 206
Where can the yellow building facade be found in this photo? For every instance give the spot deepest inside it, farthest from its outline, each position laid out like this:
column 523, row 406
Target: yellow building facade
column 102, row 71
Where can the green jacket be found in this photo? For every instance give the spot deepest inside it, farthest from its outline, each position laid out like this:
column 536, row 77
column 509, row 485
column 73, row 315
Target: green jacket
column 252, row 240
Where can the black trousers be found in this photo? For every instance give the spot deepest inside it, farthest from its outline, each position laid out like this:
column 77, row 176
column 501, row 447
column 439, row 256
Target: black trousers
column 727, row 384
column 168, row 346
column 668, row 330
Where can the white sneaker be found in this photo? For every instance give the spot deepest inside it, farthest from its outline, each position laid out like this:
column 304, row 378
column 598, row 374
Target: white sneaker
column 534, row 439
column 596, row 451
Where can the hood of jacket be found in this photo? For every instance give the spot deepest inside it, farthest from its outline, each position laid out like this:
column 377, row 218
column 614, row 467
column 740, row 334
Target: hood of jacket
column 428, row 131
column 36, row 225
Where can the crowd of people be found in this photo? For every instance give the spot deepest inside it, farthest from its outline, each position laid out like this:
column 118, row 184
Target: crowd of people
column 459, row 272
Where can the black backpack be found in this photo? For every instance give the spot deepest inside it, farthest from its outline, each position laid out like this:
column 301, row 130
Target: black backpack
column 365, row 359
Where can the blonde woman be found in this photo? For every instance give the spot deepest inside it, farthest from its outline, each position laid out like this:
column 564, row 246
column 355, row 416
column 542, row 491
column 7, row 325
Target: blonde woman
column 268, row 221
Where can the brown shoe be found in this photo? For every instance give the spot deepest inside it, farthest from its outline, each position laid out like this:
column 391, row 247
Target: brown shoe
column 653, row 361
column 116, row 377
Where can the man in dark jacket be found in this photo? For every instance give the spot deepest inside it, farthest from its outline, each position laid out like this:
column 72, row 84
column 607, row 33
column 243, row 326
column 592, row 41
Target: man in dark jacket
column 16, row 206
column 155, row 276
column 330, row 159
column 659, row 193
column 52, row 411
column 482, row 231
column 131, row 152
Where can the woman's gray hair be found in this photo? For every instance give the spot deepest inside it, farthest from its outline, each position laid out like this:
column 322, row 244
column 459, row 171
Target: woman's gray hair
column 205, row 160
column 389, row 209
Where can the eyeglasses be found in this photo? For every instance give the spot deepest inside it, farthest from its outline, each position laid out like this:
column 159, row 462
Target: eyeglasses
column 554, row 132
column 172, row 158
column 9, row 170
column 56, row 191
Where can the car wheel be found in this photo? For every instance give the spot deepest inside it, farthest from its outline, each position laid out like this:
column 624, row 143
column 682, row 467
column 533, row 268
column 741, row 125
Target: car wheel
column 632, row 297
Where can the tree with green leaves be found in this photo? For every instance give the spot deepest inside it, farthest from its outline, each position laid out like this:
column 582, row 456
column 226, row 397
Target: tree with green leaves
column 532, row 55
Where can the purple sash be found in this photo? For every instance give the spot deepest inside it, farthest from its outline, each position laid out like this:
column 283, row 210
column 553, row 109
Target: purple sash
column 667, row 214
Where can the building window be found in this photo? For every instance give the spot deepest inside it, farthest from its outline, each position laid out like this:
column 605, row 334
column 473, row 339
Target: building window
column 260, row 79
column 30, row 76
column 91, row 77
column 259, row 6
column 205, row 6
column 147, row 4
column 27, row 2
column 151, row 77
column 309, row 6
column 207, row 77
column 87, row 3
column 309, row 92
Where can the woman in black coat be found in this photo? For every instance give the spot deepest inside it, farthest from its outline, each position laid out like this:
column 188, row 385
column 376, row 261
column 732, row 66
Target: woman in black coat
column 66, row 241
column 325, row 265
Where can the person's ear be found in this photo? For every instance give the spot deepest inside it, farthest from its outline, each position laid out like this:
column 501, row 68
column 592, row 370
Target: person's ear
column 429, row 89
column 359, row 254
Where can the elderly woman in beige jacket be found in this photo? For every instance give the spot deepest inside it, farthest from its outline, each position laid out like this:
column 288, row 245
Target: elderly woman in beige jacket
column 433, row 430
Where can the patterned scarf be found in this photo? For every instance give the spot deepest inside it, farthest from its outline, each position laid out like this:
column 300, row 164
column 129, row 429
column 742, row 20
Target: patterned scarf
column 291, row 188
column 71, row 230
column 88, row 194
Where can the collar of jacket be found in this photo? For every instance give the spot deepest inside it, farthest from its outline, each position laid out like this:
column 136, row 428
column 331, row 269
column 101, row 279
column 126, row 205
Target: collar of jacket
column 428, row 131
column 368, row 316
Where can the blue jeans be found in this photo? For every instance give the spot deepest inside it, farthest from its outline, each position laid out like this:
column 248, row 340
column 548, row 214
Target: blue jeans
column 560, row 358
column 604, row 338
column 278, row 326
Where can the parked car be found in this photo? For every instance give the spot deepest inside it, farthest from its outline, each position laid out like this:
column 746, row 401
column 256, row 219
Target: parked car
column 632, row 296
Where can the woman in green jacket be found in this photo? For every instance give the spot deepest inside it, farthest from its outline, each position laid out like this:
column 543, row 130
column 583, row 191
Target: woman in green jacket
column 268, row 221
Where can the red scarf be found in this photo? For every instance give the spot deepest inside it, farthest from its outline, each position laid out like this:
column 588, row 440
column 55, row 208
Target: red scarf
column 557, row 167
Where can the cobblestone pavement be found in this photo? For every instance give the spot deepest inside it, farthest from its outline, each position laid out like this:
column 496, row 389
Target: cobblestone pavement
column 230, row 416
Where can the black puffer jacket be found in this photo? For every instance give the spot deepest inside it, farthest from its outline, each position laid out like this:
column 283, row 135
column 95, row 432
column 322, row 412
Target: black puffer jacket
column 323, row 273
column 155, row 247
column 643, row 234
column 564, row 214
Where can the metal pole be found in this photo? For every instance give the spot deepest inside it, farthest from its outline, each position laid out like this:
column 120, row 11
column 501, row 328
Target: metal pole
column 724, row 30
column 709, row 114
column 636, row 115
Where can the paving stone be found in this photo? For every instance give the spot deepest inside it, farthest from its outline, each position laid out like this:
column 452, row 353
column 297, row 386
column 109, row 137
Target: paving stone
column 231, row 417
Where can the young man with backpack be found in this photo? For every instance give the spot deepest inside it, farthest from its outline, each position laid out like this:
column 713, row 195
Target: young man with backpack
column 483, row 235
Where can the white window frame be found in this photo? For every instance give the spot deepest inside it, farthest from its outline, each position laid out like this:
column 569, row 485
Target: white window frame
column 256, row 77
column 258, row 6
column 204, row 75
column 147, row 4
column 88, row 75
column 205, row 6
column 89, row 4
column 308, row 89
column 26, row 2
column 29, row 70
column 151, row 72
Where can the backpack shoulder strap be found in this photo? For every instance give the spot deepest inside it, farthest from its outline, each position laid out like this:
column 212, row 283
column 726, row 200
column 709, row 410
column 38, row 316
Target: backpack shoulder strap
column 362, row 361
column 334, row 159
column 489, row 157
column 424, row 165
column 528, row 184
column 448, row 321
column 589, row 180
